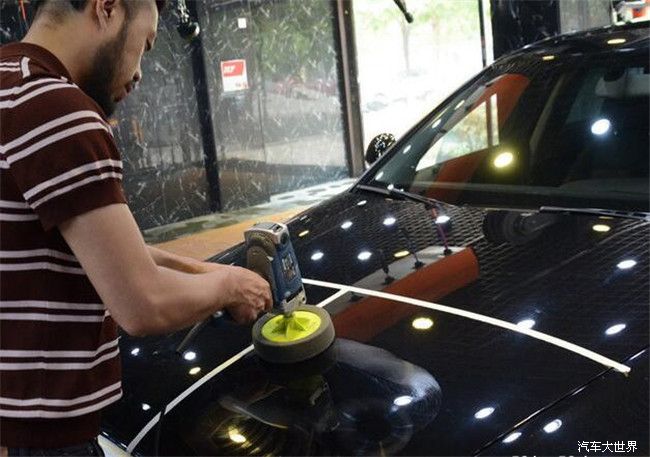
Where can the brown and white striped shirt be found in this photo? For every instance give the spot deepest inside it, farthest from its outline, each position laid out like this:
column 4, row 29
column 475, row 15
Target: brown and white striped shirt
column 59, row 356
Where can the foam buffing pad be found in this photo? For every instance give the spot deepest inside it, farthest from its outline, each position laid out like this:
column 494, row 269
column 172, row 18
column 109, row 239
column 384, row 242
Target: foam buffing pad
column 301, row 336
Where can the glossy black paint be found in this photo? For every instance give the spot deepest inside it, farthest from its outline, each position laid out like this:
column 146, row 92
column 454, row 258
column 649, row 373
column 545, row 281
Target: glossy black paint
column 470, row 384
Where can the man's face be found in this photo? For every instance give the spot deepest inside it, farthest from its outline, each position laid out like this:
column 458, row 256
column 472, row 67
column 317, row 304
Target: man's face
column 116, row 67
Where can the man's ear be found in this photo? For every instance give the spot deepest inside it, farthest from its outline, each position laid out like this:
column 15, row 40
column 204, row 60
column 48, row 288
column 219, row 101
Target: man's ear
column 104, row 10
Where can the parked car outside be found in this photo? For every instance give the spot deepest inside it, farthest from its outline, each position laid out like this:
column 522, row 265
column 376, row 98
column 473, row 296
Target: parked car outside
column 515, row 219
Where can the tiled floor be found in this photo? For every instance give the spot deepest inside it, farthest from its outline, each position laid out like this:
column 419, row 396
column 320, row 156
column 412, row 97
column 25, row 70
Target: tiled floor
column 204, row 236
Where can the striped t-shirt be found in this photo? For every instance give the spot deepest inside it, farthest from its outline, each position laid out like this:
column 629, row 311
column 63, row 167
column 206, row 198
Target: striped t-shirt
column 59, row 356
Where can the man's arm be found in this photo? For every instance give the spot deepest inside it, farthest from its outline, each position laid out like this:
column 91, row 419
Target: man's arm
column 145, row 298
column 180, row 263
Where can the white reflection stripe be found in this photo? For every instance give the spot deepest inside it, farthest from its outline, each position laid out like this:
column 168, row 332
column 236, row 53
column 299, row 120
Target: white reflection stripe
column 70, row 187
column 50, row 317
column 49, row 126
column 16, row 156
column 57, row 365
column 92, row 166
column 481, row 318
column 9, row 64
column 59, row 402
column 18, row 217
column 38, row 253
column 50, row 305
column 24, row 66
column 24, row 98
column 59, row 354
column 18, row 89
column 41, row 266
column 4, row 165
column 13, row 204
column 39, row 413
column 207, row 377
column 9, row 69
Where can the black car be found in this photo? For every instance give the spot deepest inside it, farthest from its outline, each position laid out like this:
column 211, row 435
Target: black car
column 511, row 227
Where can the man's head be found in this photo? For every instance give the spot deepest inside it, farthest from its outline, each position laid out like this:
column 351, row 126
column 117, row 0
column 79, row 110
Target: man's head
column 118, row 32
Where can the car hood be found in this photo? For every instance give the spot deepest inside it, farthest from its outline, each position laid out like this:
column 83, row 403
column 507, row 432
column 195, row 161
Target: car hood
column 404, row 378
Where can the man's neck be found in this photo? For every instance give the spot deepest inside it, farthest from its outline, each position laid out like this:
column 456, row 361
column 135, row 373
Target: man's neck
column 70, row 50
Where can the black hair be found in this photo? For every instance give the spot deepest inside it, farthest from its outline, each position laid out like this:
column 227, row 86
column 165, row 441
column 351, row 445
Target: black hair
column 79, row 5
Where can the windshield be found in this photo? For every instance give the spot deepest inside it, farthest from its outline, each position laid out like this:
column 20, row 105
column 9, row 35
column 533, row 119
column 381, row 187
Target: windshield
column 535, row 130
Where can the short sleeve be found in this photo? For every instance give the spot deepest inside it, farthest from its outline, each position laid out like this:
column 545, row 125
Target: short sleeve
column 63, row 157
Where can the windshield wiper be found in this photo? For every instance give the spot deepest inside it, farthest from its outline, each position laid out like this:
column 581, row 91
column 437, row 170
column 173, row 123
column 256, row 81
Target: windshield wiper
column 402, row 195
column 639, row 215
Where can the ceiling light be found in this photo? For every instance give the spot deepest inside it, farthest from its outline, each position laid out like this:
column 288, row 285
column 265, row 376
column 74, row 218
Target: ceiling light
column 195, row 370
column 526, row 323
column 601, row 127
column 549, row 57
column 390, row 220
column 422, row 323
column 346, row 225
column 512, row 437
column 364, row 255
column 616, row 41
column 403, row 400
column 135, row 351
column 379, row 175
column 436, row 123
column 602, row 228
column 400, row 254
column 303, row 234
column 442, row 219
column 235, row 436
column 189, row 355
column 504, row 159
column 145, row 407
column 317, row 255
column 362, row 202
column 460, row 103
column 483, row 413
column 406, row 149
column 553, row 426
column 614, row 329
column 626, row 264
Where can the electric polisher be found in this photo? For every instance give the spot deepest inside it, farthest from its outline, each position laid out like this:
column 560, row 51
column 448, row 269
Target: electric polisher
column 293, row 331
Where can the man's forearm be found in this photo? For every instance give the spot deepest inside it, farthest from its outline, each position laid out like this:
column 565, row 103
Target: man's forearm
column 176, row 262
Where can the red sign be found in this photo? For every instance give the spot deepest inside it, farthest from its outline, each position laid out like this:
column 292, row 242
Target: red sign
column 233, row 75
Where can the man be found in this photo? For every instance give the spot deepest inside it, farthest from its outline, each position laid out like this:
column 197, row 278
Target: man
column 72, row 259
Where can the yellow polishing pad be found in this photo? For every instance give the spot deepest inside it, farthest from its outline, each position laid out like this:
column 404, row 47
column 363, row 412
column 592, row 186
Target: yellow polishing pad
column 299, row 325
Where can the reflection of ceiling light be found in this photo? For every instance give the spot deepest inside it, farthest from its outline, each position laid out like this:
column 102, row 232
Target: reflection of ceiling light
column 422, row 323
column 135, row 351
column 442, row 219
column 526, row 323
column 400, row 254
column 317, row 255
column 406, row 149
column 362, row 202
column 601, row 228
column 614, row 329
column 346, row 225
column 626, row 264
column 512, row 437
column 390, row 220
column 390, row 186
column 483, row 413
column 460, row 103
column 195, row 370
column 235, row 436
column 403, row 400
column 364, row 255
column 189, row 355
column 600, row 127
column 145, row 407
column 553, row 426
column 616, row 41
column 436, row 123
column 379, row 175
column 504, row 159
column 549, row 57
column 304, row 233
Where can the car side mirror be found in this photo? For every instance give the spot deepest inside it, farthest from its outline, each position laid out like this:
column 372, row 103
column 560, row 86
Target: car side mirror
column 378, row 146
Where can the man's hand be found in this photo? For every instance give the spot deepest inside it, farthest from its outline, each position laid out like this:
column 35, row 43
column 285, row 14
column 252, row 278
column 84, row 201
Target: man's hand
column 249, row 294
